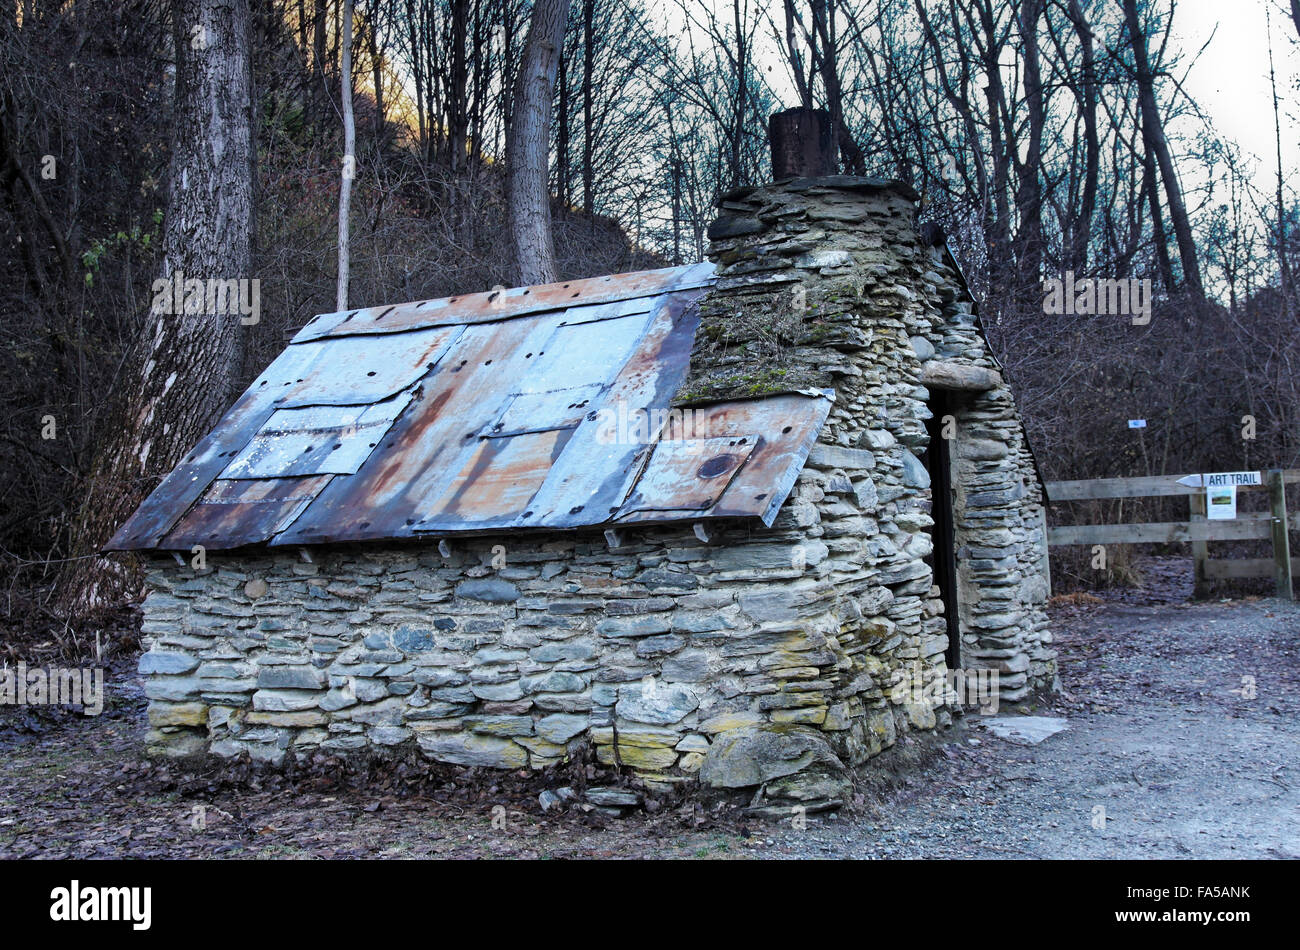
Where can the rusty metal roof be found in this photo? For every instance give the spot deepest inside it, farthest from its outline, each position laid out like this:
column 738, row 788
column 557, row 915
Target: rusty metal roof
column 536, row 407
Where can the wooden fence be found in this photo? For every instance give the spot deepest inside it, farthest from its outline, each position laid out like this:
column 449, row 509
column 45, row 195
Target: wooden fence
column 1272, row 525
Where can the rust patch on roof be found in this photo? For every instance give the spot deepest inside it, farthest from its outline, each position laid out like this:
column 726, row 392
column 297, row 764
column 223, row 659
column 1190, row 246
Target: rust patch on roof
column 504, row 304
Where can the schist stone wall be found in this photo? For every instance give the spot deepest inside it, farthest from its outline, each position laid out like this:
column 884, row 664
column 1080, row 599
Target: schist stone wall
column 762, row 657
column 839, row 265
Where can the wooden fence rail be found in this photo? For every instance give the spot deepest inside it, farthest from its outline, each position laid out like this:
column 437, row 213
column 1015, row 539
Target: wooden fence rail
column 1273, row 525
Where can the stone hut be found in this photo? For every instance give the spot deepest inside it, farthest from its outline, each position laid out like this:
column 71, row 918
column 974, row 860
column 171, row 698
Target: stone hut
column 717, row 521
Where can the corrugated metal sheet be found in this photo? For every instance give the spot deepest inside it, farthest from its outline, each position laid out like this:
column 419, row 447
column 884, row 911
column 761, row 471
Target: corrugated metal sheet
column 540, row 407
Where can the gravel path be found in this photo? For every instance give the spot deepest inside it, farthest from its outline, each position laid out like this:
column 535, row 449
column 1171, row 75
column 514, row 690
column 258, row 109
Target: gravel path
column 1163, row 742
column 1165, row 734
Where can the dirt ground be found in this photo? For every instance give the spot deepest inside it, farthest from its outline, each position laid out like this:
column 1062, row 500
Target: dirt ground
column 1183, row 740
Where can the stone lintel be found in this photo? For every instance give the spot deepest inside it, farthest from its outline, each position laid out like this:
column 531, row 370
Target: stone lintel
column 945, row 375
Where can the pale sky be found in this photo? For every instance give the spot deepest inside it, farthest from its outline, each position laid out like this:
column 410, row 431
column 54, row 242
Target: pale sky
column 1230, row 79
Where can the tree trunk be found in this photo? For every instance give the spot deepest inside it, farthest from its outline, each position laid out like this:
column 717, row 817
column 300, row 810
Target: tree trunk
column 1002, row 146
column 482, row 70
column 377, row 71
column 302, row 29
column 528, row 144
column 1079, row 238
column 823, row 16
column 458, row 84
column 185, row 368
column 1151, row 189
column 318, row 49
column 1029, row 192
column 588, row 131
column 737, row 132
column 802, row 83
column 1153, row 134
column 417, row 58
column 562, row 135
column 1284, row 263
column 349, row 160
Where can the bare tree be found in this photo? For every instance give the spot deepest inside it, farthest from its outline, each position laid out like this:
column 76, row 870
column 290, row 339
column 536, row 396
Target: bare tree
column 1084, row 86
column 1157, row 145
column 349, row 159
column 186, row 365
column 1284, row 266
column 823, row 44
column 528, row 144
column 588, row 125
column 1029, row 169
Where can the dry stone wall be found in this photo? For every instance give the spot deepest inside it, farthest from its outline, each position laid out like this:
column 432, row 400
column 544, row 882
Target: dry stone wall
column 655, row 652
column 859, row 301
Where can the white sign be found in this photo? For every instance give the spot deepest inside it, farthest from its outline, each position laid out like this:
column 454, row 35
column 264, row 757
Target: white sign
column 1221, row 502
column 1137, row 423
column 1221, row 479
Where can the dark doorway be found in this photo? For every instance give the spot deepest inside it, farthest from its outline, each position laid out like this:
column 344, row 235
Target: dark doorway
column 942, row 560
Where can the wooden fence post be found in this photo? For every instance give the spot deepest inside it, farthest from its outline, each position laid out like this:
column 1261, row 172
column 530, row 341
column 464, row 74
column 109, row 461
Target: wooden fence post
column 1200, row 549
column 1281, row 534
column 1047, row 556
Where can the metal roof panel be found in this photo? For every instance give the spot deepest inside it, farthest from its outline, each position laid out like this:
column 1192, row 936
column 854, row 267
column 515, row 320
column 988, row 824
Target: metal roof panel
column 316, row 440
column 530, row 408
column 505, row 304
column 233, row 513
column 688, row 474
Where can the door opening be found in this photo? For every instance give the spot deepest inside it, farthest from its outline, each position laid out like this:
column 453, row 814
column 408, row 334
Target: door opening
column 942, row 559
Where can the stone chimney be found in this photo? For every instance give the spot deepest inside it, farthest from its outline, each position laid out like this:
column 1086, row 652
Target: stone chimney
column 821, row 283
column 825, row 282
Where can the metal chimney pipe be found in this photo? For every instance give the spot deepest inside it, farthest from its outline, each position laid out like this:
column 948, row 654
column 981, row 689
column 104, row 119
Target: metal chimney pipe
column 802, row 144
